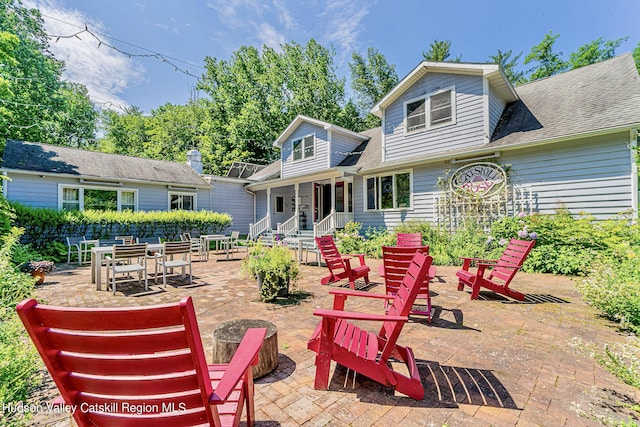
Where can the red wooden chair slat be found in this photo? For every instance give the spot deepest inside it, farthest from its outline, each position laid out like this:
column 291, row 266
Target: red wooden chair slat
column 100, row 365
column 130, row 356
column 396, row 260
column 500, row 272
column 340, row 266
column 121, row 343
column 409, row 239
column 368, row 353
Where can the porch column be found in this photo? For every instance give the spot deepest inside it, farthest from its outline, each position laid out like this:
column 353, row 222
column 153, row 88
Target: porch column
column 296, row 188
column 333, row 203
column 269, row 205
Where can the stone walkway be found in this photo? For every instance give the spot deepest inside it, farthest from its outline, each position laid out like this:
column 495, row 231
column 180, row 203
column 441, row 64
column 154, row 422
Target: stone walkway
column 489, row 362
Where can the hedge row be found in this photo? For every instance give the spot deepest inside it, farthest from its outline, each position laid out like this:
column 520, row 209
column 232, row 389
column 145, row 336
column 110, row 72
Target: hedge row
column 44, row 226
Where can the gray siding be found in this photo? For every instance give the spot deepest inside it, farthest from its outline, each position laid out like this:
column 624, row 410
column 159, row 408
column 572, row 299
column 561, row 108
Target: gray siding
column 591, row 175
column 317, row 163
column 230, row 197
column 425, row 179
column 31, row 190
column 340, row 146
column 287, row 193
column 466, row 132
column 261, row 204
column 496, row 106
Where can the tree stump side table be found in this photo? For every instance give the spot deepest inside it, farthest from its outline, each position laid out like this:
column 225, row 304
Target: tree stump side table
column 227, row 337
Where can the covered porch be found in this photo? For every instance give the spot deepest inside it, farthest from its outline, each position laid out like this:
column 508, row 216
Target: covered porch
column 314, row 205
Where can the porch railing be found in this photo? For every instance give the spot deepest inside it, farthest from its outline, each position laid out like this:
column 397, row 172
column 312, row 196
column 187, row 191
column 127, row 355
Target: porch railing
column 342, row 218
column 289, row 226
column 259, row 227
column 324, row 226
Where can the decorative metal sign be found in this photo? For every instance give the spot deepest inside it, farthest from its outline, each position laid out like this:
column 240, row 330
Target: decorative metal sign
column 478, row 179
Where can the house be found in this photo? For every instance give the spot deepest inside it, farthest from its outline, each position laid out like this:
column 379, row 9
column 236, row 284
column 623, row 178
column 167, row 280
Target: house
column 454, row 137
column 564, row 141
column 56, row 177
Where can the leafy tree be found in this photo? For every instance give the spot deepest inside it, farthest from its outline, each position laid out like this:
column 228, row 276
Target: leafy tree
column 35, row 104
column 255, row 95
column 371, row 78
column 508, row 65
column 636, row 56
column 440, row 51
column 595, row 51
column 549, row 62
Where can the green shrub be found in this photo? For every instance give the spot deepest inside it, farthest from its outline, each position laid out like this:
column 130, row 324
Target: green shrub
column 613, row 287
column 46, row 229
column 19, row 362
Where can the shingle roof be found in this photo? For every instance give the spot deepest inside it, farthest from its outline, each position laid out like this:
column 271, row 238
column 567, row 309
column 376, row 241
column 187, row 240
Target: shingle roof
column 35, row 157
column 596, row 97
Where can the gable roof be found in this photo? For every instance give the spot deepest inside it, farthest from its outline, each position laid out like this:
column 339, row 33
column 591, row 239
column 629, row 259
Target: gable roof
column 54, row 159
column 327, row 126
column 594, row 98
column 497, row 79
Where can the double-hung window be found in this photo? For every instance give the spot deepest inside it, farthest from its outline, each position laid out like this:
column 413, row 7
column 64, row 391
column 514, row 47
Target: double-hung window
column 304, row 148
column 431, row 110
column 390, row 191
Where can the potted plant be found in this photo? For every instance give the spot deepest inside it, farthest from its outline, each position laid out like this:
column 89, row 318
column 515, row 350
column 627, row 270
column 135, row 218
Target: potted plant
column 37, row 269
column 275, row 268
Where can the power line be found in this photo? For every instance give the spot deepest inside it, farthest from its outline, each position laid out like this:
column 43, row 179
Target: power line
column 152, row 54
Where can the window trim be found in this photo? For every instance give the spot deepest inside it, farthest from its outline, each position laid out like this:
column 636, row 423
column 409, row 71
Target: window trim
column 182, row 193
column 378, row 193
column 427, row 110
column 81, row 188
column 301, row 139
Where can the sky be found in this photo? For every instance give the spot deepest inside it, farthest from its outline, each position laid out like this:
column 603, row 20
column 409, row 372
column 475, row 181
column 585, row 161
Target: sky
column 176, row 36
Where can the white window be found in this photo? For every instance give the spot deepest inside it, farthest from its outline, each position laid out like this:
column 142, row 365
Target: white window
column 182, row 201
column 440, row 110
column 416, row 115
column 304, row 148
column 71, row 199
column 390, row 191
column 431, row 110
column 98, row 198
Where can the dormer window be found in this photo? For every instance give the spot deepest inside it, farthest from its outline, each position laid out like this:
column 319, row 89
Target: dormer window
column 440, row 108
column 304, row 148
column 416, row 118
column 431, row 110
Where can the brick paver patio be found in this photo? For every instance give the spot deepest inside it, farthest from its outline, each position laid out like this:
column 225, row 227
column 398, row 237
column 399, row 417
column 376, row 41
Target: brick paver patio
column 489, row 362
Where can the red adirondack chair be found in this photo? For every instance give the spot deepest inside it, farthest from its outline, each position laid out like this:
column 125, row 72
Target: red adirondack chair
column 140, row 366
column 395, row 262
column 501, row 272
column 338, row 339
column 409, row 239
column 340, row 266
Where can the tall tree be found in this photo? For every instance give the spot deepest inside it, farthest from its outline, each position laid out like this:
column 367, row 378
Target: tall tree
column 440, row 51
column 549, row 62
column 255, row 95
column 371, row 78
column 508, row 65
column 636, row 56
column 36, row 104
column 595, row 51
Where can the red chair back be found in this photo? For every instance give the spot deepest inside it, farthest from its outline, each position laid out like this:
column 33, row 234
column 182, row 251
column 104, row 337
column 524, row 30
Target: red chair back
column 409, row 239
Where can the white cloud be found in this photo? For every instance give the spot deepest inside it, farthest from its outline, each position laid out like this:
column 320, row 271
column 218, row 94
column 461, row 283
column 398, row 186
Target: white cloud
column 105, row 72
column 346, row 18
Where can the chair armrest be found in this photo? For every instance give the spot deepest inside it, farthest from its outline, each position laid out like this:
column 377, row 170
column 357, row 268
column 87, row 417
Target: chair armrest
column 245, row 356
column 359, row 256
column 352, row 315
column 349, row 292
